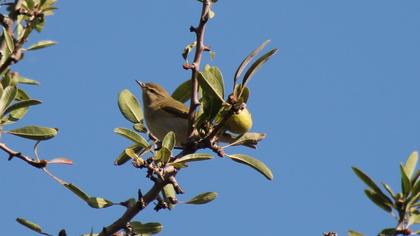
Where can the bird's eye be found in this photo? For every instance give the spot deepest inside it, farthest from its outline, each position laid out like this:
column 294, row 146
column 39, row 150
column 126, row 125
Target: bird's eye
column 153, row 91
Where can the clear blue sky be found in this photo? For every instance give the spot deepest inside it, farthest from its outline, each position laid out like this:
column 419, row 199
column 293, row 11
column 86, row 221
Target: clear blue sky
column 342, row 91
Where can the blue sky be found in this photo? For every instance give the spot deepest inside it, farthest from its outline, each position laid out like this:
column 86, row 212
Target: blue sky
column 342, row 91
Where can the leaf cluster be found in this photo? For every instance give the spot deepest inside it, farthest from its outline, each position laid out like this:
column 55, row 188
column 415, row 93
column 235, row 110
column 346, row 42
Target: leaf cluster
column 404, row 205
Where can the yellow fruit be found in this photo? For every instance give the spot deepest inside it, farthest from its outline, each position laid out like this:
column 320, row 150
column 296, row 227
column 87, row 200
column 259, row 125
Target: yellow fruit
column 239, row 123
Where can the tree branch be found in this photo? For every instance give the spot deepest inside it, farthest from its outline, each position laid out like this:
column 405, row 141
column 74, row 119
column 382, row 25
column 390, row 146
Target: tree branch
column 153, row 193
column 195, row 67
column 132, row 211
column 8, row 22
column 12, row 154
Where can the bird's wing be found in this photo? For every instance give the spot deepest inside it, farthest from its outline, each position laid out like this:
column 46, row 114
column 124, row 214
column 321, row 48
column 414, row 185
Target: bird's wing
column 178, row 109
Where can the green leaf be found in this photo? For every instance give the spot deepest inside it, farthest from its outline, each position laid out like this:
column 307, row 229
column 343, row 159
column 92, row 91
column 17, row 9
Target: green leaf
column 256, row 66
column 148, row 228
column 140, row 127
column 82, row 195
column 123, row 157
column 367, row 180
column 9, row 40
column 133, row 155
column 247, row 139
column 193, row 157
column 247, row 59
column 22, row 104
column 183, row 92
column 202, row 198
column 244, row 95
column 9, row 94
column 188, row 49
column 376, row 198
column 34, row 132
column 354, row 233
column 30, row 225
column 389, row 190
column 412, row 200
column 24, row 80
column 414, row 219
column 163, row 155
column 169, row 195
column 98, row 202
column 211, row 84
column 129, row 106
column 410, row 165
column 219, row 78
column 416, row 187
column 169, row 141
column 41, row 44
column 133, row 136
column 254, row 163
column 21, row 95
column 405, row 182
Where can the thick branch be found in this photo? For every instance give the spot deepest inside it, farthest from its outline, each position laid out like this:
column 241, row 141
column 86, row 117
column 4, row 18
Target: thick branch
column 195, row 68
column 132, row 211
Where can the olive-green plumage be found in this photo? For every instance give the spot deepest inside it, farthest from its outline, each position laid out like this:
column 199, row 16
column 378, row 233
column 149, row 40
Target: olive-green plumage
column 163, row 113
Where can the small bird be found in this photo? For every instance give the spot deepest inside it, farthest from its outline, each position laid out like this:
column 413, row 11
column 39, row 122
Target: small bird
column 164, row 113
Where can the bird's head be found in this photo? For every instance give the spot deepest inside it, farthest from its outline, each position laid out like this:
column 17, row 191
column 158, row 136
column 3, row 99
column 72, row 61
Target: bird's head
column 152, row 92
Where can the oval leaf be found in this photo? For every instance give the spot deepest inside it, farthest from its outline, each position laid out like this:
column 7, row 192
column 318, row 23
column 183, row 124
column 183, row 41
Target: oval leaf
column 183, row 92
column 124, row 157
column 405, row 181
column 29, row 225
column 367, row 180
column 7, row 97
column 9, row 40
column 254, row 163
column 247, row 139
column 129, row 106
column 98, row 202
column 22, row 104
column 41, row 44
column 82, row 195
column 24, row 80
column 169, row 141
column 375, row 198
column 133, row 136
column 410, row 165
column 148, row 228
column 133, row 155
column 34, row 132
column 193, row 157
column 210, row 83
column 203, row 198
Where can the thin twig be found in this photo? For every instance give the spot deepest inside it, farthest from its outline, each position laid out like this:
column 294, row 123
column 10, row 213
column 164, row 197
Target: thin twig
column 12, row 154
column 195, row 67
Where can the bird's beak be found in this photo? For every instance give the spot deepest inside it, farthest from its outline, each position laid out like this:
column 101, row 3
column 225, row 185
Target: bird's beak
column 142, row 85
